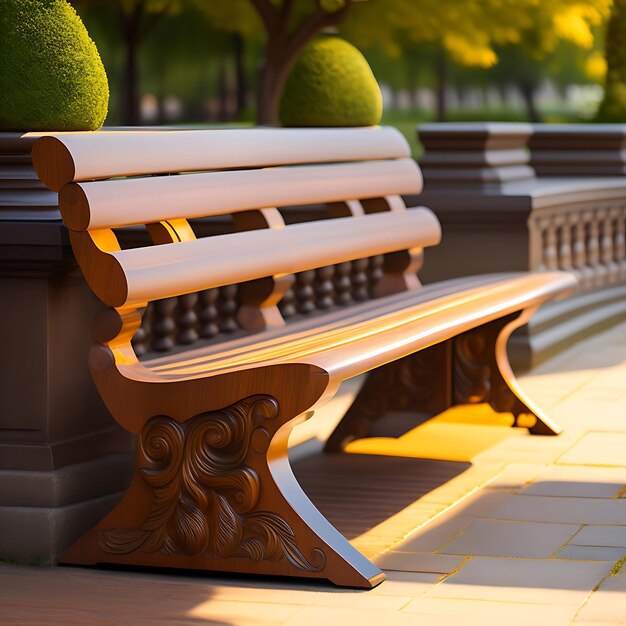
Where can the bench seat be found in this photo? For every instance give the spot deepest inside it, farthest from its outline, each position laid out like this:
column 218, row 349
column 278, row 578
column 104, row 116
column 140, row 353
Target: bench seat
column 354, row 340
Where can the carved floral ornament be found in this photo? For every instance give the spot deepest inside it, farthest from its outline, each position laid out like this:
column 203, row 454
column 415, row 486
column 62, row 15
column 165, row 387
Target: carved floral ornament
column 205, row 496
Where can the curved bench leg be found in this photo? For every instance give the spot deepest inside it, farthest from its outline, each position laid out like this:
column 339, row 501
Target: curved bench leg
column 470, row 368
column 216, row 492
column 419, row 382
column 482, row 373
column 506, row 394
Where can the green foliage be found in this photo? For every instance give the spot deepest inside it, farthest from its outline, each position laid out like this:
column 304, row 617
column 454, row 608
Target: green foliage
column 331, row 84
column 470, row 29
column 613, row 105
column 51, row 76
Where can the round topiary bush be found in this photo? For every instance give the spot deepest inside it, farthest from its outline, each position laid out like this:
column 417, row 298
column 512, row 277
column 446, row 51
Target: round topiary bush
column 51, row 75
column 331, row 84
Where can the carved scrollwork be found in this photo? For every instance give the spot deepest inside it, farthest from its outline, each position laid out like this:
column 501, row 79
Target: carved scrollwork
column 415, row 383
column 472, row 366
column 205, row 496
column 477, row 377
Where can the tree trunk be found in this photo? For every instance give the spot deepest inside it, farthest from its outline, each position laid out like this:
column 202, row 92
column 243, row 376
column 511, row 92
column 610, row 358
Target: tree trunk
column 442, row 85
column 273, row 77
column 613, row 105
column 130, row 89
column 222, row 92
column 241, row 78
column 528, row 93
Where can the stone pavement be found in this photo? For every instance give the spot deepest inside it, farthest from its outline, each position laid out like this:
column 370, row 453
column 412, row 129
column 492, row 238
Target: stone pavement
column 533, row 530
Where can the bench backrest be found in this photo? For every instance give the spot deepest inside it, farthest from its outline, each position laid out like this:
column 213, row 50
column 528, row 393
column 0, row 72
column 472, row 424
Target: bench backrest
column 160, row 179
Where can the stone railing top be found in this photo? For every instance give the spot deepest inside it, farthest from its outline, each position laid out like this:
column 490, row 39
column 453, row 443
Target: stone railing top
column 578, row 149
column 22, row 196
column 492, row 155
column 475, row 154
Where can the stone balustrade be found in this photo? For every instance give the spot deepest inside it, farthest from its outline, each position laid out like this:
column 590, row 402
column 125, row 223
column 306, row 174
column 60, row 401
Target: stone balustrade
column 517, row 197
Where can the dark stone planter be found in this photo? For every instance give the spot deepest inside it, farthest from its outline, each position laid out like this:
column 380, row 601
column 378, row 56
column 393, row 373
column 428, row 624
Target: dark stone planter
column 63, row 460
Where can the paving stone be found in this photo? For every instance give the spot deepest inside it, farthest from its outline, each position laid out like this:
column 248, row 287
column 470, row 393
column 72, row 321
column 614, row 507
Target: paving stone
column 102, row 616
column 565, row 510
column 591, row 553
column 314, row 616
column 76, row 596
column 523, row 580
column 460, row 486
column 416, row 562
column 513, row 539
column 590, row 482
column 609, row 623
column 483, row 502
column 435, row 534
column 406, row 584
column 611, row 536
column 607, row 605
column 598, row 448
column 529, row 449
column 242, row 613
column 516, row 476
column 573, row 415
column 491, row 613
column 286, row 593
column 52, row 587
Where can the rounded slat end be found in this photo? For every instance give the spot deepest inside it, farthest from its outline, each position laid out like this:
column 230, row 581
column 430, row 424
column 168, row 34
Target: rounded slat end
column 74, row 207
column 111, row 285
column 53, row 162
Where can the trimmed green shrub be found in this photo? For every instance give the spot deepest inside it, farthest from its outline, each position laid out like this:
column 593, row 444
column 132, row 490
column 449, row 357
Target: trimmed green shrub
column 51, row 75
column 331, row 84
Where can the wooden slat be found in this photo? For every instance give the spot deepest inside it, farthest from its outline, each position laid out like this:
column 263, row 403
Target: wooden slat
column 164, row 271
column 66, row 157
column 114, row 203
column 439, row 324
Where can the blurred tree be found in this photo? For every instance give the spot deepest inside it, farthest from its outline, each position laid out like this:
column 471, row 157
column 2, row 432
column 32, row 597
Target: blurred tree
column 613, row 106
column 470, row 31
column 287, row 26
column 136, row 18
column 464, row 31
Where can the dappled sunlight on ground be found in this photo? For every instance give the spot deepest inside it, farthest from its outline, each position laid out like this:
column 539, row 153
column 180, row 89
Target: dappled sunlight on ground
column 458, row 434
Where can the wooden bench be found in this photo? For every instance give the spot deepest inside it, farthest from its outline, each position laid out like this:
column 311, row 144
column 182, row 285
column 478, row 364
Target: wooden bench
column 213, row 488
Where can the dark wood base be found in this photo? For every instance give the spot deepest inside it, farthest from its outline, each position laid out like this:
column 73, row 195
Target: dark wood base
column 470, row 368
column 216, row 492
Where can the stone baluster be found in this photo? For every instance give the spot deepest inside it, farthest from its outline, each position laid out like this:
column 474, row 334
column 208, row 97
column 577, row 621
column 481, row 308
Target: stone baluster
column 343, row 285
column 564, row 239
column 607, row 251
column 227, row 306
column 305, row 294
column 163, row 325
column 579, row 250
column 593, row 249
column 323, row 287
column 536, row 244
column 208, row 314
column 619, row 220
column 550, row 249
